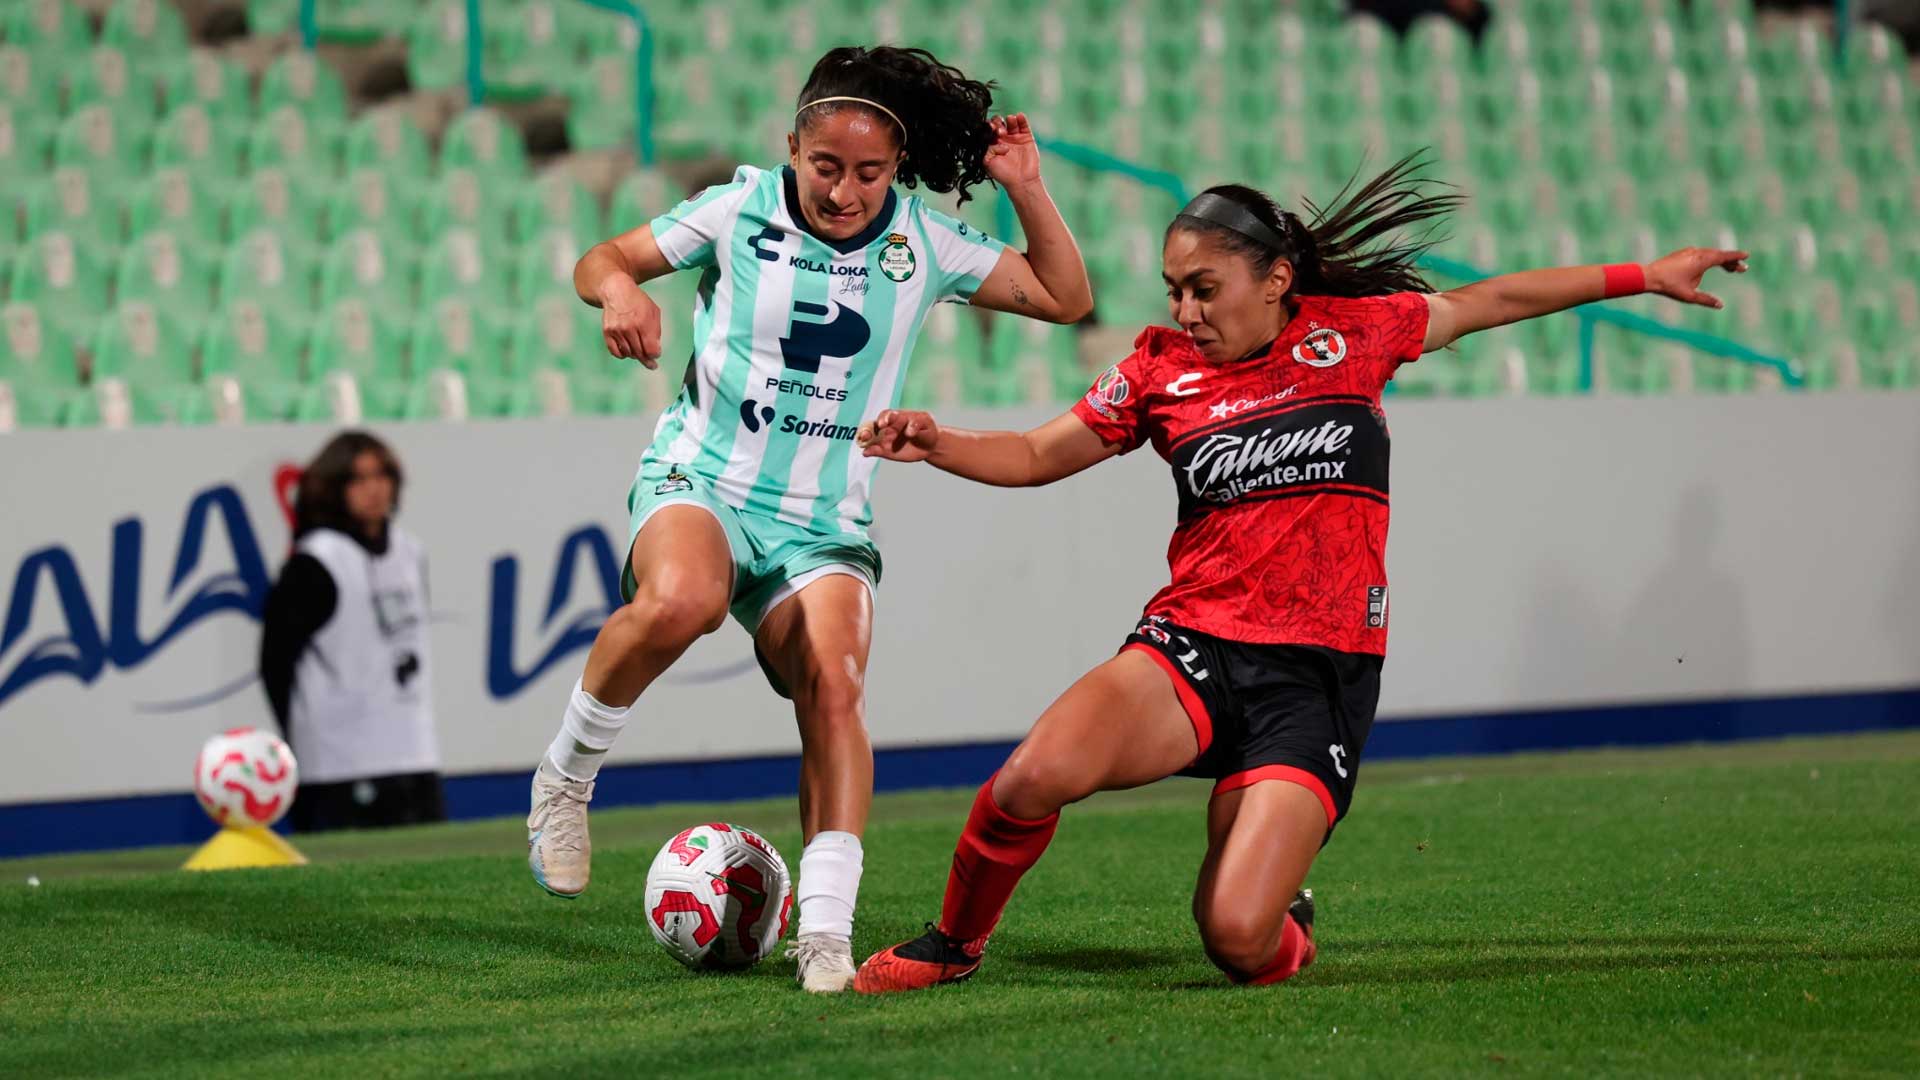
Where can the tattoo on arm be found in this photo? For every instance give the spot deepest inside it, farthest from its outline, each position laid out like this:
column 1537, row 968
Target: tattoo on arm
column 1020, row 297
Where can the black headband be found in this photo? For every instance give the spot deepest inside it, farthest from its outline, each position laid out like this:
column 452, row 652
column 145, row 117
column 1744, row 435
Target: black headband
column 1224, row 212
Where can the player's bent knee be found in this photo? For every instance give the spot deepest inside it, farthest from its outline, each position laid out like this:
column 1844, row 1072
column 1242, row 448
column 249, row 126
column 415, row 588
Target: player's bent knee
column 831, row 707
column 1032, row 785
column 673, row 617
column 1238, row 945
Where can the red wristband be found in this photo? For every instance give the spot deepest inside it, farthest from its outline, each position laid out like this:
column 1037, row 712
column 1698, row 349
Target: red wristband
column 1625, row 279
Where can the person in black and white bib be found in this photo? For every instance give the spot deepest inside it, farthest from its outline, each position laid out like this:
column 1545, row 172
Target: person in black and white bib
column 345, row 657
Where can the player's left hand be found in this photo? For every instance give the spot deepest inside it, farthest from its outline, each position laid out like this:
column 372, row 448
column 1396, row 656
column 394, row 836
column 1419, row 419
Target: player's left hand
column 1678, row 275
column 1014, row 157
column 899, row 435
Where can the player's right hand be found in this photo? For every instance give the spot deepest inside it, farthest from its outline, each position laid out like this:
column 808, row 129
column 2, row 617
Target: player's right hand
column 630, row 322
column 899, row 435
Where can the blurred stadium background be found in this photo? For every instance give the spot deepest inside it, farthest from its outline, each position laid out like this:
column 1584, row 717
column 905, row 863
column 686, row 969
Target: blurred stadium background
column 221, row 211
column 228, row 227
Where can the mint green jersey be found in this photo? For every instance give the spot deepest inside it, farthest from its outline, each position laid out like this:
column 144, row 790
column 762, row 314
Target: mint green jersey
column 797, row 341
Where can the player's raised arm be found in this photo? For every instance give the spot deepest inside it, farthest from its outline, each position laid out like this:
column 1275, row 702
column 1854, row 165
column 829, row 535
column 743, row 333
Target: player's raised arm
column 1053, row 451
column 1509, row 298
column 1049, row 282
column 608, row 277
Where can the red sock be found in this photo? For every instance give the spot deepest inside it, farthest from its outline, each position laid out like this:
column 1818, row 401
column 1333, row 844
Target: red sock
column 995, row 849
column 1296, row 951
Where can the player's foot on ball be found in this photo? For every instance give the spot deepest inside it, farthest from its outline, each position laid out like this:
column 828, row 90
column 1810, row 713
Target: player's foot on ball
column 928, row 960
column 1302, row 911
column 825, row 963
column 557, row 846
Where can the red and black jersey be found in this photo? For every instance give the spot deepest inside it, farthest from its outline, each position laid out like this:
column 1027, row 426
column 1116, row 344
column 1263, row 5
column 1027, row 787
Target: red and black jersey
column 1280, row 462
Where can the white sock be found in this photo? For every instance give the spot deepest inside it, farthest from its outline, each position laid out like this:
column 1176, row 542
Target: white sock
column 829, row 882
column 587, row 731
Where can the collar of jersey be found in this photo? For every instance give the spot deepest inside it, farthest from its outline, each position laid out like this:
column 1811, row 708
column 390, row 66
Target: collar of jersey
column 866, row 236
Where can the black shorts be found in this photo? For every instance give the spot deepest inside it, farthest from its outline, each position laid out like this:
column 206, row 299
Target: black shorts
column 1269, row 712
column 373, row 803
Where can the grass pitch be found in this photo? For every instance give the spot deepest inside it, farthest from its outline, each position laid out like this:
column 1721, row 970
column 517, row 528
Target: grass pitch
column 1744, row 910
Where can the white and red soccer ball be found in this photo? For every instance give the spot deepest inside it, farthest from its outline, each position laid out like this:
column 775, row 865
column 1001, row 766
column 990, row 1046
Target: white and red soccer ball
column 718, row 896
column 245, row 777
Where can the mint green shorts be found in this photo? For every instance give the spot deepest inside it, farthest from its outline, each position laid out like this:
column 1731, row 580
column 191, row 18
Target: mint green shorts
column 772, row 559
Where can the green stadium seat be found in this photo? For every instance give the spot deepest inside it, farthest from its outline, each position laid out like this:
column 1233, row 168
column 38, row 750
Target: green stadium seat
column 38, row 365
column 387, row 139
column 29, row 82
column 556, row 331
column 464, row 199
column 356, row 338
column 72, row 200
column 437, row 46
column 109, row 76
column 26, row 145
column 164, row 270
column 259, row 346
column 64, row 277
column 287, row 137
column 526, row 50
column 145, row 27
column 266, row 266
column 545, row 266
column 109, row 144
column 301, row 80
column 203, row 77
column 282, row 200
column 639, row 198
column 1896, row 369
column 555, row 203
column 354, row 22
column 485, row 142
column 369, row 266
column 272, row 17
column 457, row 264
column 193, row 138
column 456, row 333
column 602, row 116
column 372, row 198
column 154, row 358
column 52, row 28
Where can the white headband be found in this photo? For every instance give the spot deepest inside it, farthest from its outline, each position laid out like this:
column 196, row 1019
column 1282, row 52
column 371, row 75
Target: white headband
column 858, row 101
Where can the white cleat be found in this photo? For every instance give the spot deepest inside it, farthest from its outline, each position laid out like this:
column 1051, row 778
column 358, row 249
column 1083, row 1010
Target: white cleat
column 825, row 963
column 557, row 846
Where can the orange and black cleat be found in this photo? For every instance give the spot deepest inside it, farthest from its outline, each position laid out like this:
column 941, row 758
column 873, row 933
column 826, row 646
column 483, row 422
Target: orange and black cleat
column 928, row 960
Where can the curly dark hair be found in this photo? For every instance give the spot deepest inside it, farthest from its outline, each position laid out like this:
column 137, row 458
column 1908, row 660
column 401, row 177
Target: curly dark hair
column 321, row 500
column 945, row 114
column 1337, row 249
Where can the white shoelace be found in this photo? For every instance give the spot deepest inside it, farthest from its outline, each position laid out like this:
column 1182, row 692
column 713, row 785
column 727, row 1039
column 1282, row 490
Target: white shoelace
column 565, row 825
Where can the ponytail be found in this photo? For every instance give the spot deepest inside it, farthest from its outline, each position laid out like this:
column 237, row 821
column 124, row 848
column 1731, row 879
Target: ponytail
column 1336, row 250
column 939, row 115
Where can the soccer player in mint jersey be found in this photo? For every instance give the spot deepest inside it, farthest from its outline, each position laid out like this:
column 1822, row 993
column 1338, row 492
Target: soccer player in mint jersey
column 1258, row 665
column 815, row 278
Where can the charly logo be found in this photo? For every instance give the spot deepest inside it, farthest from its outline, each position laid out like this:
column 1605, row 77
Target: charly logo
column 896, row 258
column 81, row 651
column 1323, row 347
column 755, row 415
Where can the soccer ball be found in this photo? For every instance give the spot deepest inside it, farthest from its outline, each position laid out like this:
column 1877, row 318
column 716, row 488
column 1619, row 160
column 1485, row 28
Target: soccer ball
column 718, row 896
column 245, row 777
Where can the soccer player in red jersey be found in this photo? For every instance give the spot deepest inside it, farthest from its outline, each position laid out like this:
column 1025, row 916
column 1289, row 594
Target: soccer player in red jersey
column 1258, row 665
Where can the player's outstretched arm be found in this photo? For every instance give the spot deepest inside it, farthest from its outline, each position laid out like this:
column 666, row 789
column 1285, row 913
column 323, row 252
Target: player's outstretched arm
column 608, row 277
column 1053, row 451
column 1049, row 282
column 1509, row 298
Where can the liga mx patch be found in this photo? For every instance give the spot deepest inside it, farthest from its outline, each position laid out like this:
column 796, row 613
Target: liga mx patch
column 1376, row 606
column 675, row 481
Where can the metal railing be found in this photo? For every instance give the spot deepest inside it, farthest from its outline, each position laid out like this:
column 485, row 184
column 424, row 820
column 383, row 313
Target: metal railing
column 1590, row 316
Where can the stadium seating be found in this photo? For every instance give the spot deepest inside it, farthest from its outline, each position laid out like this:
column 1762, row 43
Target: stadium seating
column 210, row 210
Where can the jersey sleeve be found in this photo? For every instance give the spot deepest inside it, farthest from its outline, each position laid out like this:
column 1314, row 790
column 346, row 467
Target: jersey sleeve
column 687, row 233
column 1402, row 322
column 1115, row 408
column 963, row 256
